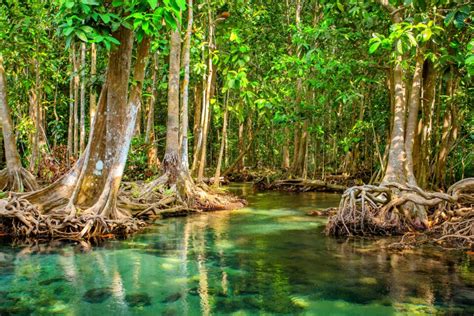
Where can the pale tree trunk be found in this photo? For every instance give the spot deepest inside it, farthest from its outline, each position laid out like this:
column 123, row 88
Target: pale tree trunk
column 171, row 160
column 185, row 93
column 240, row 163
column 217, row 175
column 396, row 167
column 92, row 185
column 206, row 101
column 413, row 109
column 70, row 130
column 14, row 177
column 152, row 152
column 82, row 136
column 75, row 60
column 197, row 121
column 93, row 96
column 286, row 150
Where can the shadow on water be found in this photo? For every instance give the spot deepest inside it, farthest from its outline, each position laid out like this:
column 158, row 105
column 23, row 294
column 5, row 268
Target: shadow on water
column 268, row 258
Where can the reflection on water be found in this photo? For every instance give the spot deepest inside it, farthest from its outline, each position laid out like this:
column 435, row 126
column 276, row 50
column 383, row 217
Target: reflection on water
column 267, row 259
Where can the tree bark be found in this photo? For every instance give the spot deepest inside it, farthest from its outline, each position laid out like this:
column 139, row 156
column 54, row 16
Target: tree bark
column 93, row 95
column 185, row 91
column 89, row 190
column 82, row 136
column 171, row 161
column 217, row 175
column 14, row 177
column 413, row 109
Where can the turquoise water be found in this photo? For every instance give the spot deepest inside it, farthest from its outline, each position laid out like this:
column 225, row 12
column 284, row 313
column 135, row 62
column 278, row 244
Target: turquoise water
column 267, row 259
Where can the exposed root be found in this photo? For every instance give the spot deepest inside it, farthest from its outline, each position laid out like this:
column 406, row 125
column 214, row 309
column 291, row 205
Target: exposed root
column 159, row 198
column 18, row 180
column 394, row 209
column 19, row 217
column 299, row 185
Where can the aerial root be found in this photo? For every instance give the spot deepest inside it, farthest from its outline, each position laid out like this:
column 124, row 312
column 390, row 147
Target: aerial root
column 17, row 180
column 159, row 199
column 19, row 217
column 394, row 209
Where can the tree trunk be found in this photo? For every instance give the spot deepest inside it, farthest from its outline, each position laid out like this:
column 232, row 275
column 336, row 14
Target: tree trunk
column 217, row 175
column 14, row 177
column 82, row 136
column 286, row 150
column 185, row 93
column 396, row 170
column 152, row 152
column 413, row 109
column 171, row 160
column 207, row 101
column 76, row 101
column 428, row 102
column 93, row 96
column 86, row 197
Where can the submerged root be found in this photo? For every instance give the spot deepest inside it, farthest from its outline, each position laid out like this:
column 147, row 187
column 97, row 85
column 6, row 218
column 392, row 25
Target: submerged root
column 18, row 180
column 394, row 209
column 19, row 217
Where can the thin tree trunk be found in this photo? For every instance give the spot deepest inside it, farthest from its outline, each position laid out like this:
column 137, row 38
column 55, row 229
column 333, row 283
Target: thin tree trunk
column 82, row 136
column 207, row 103
column 185, row 93
column 93, row 95
column 76, row 101
column 217, row 175
column 70, row 130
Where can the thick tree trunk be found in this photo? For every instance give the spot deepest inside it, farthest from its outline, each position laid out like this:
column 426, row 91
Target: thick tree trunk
column 413, row 109
column 85, row 200
column 171, row 160
column 14, row 177
column 396, row 167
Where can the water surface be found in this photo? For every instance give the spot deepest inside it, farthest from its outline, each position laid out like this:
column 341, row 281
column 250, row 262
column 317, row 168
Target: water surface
column 267, row 259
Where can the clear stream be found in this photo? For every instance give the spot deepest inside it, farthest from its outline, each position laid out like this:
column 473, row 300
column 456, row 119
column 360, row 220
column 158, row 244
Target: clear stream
column 267, row 259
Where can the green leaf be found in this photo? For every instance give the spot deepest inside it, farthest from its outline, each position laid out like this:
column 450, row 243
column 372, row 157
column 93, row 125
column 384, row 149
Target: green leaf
column 470, row 60
column 426, row 35
column 449, row 18
column 105, row 17
column 68, row 30
column 153, row 3
column 399, row 47
column 81, row 35
column 181, row 4
column 374, row 47
column 69, row 4
column 90, row 2
column 340, row 6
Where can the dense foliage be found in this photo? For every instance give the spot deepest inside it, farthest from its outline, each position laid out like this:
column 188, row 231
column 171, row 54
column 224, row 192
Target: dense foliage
column 306, row 84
